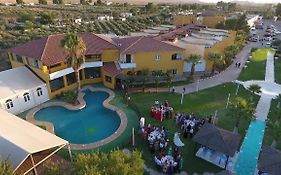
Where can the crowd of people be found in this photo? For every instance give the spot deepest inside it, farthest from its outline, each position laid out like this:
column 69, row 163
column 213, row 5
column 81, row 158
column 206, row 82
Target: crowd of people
column 190, row 123
column 161, row 111
column 157, row 140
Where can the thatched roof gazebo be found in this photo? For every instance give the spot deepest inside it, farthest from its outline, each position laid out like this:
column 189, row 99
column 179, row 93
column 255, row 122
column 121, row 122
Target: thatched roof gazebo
column 269, row 160
column 218, row 139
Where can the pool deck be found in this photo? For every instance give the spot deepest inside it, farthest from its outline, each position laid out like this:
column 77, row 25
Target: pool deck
column 82, row 104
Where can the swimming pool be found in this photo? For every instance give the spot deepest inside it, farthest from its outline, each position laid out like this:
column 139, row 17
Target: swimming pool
column 89, row 125
column 247, row 159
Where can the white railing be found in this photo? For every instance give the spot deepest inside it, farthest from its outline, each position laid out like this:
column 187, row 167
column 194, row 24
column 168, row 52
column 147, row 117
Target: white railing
column 124, row 65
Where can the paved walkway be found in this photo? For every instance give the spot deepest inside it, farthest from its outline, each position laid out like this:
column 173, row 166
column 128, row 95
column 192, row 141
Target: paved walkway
column 229, row 75
column 263, row 107
column 269, row 74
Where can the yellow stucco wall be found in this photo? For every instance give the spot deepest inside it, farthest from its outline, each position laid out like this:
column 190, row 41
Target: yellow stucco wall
column 147, row 61
column 110, row 55
column 105, row 83
column 219, row 48
column 179, row 20
column 212, row 21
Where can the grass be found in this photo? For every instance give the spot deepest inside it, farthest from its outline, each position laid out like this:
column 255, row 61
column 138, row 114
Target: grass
column 204, row 103
column 272, row 116
column 277, row 65
column 255, row 70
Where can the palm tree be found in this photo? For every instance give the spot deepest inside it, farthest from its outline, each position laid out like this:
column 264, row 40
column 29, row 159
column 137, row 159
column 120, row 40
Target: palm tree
column 275, row 131
column 75, row 48
column 254, row 88
column 194, row 59
column 278, row 98
column 241, row 108
column 216, row 58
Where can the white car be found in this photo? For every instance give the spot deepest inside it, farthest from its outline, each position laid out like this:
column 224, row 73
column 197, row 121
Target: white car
column 268, row 44
column 268, row 39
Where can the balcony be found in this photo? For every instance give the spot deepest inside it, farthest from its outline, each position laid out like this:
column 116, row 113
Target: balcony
column 69, row 70
column 127, row 65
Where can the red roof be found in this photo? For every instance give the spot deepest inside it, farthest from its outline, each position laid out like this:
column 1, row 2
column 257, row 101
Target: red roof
column 50, row 52
column 111, row 69
column 131, row 45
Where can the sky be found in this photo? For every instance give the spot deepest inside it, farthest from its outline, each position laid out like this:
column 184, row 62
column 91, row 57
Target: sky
column 256, row 1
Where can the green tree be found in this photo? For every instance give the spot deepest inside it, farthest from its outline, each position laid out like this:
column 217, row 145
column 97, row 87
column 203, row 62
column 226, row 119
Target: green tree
column 157, row 82
column 83, row 2
column 5, row 167
column 116, row 162
column 194, row 59
column 99, row 2
column 254, row 88
column 144, row 74
column 169, row 78
column 216, row 58
column 47, row 18
column 26, row 17
column 278, row 10
column 58, row 2
column 44, row 2
column 241, row 108
column 278, row 99
column 19, row 1
column 53, row 169
column 75, row 47
column 275, row 131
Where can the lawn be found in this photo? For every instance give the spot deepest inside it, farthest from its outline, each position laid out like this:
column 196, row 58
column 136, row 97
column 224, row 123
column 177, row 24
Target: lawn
column 204, row 103
column 277, row 67
column 272, row 116
column 255, row 69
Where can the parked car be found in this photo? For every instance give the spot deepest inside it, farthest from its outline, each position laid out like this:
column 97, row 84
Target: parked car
column 267, row 39
column 268, row 44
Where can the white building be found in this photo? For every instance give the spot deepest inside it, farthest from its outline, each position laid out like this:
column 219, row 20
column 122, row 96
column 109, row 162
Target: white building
column 126, row 15
column 105, row 18
column 21, row 90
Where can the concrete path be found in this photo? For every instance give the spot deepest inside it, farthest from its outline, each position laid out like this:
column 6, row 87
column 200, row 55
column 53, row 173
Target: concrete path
column 269, row 74
column 229, row 75
column 263, row 107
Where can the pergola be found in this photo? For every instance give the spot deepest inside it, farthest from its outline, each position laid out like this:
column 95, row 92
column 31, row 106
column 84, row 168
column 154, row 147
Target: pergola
column 25, row 145
column 269, row 160
column 218, row 139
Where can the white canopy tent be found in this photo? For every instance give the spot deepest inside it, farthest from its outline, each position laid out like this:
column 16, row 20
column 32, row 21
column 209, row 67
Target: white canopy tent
column 22, row 142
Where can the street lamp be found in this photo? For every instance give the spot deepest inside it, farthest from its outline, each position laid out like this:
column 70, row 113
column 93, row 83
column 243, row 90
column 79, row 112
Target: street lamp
column 182, row 95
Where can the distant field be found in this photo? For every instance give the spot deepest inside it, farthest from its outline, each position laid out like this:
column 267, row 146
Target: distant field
column 129, row 1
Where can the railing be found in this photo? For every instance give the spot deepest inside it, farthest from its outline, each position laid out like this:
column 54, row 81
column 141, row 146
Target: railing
column 124, row 65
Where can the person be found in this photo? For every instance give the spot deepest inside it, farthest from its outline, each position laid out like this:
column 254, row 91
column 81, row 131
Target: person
column 236, row 64
column 239, row 64
column 142, row 122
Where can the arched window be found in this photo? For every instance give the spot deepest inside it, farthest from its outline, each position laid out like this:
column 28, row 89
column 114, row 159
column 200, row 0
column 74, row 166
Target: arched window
column 39, row 92
column 26, row 97
column 9, row 104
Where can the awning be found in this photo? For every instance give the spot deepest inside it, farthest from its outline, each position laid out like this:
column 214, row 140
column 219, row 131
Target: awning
column 21, row 140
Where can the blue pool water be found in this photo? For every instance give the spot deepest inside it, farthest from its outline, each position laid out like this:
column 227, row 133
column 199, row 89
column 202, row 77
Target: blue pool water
column 247, row 159
column 88, row 125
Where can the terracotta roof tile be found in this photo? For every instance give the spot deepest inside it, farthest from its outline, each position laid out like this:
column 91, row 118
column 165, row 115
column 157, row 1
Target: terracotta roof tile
column 50, row 52
column 133, row 45
column 111, row 69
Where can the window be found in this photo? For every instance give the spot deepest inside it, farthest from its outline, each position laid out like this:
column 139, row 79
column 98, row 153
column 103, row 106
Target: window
column 56, row 84
column 93, row 72
column 26, row 97
column 9, row 104
column 39, row 92
column 174, row 71
column 108, row 79
column 176, row 56
column 71, row 78
column 93, row 56
column 128, row 58
column 157, row 57
column 19, row 58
